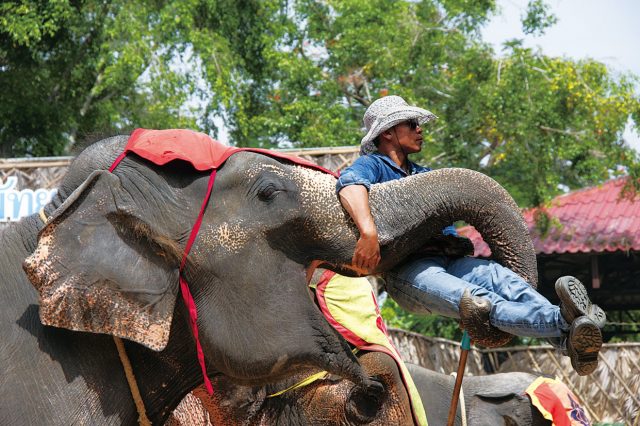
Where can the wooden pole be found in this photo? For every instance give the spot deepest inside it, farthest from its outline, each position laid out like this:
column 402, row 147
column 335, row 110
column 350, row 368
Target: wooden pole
column 464, row 352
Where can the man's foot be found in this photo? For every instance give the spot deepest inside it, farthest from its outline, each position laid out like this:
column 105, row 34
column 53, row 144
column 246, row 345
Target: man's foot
column 474, row 316
column 583, row 345
column 574, row 302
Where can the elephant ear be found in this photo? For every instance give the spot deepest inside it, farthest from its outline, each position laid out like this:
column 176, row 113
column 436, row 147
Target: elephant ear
column 99, row 267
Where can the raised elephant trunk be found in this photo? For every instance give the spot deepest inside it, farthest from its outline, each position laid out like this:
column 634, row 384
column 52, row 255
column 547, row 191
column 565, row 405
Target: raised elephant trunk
column 410, row 211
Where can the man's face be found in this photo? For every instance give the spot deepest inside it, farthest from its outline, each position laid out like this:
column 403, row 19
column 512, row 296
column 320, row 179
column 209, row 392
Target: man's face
column 409, row 136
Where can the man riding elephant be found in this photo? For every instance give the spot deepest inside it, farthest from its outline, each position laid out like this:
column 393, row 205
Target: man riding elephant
column 110, row 260
column 450, row 285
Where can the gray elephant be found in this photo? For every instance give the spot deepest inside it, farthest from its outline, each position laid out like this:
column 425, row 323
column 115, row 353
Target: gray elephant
column 493, row 400
column 108, row 260
column 497, row 399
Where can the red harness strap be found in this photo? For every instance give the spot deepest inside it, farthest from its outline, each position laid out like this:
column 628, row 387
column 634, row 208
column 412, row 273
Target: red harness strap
column 184, row 287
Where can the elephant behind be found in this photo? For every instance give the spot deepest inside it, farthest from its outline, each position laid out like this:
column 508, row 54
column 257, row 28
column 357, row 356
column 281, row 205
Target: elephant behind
column 493, row 400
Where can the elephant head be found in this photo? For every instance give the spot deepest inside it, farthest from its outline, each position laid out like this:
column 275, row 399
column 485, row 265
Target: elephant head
column 327, row 401
column 108, row 259
column 496, row 399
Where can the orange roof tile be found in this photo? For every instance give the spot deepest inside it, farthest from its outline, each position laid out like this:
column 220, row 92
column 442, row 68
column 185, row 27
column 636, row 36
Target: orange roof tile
column 594, row 219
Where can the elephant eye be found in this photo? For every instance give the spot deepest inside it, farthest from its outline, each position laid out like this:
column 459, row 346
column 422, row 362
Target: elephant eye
column 268, row 192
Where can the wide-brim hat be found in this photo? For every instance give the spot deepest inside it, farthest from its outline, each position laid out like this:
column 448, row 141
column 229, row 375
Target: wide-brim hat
column 384, row 113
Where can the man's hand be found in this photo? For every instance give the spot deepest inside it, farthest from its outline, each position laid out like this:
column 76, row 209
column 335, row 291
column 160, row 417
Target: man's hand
column 355, row 199
column 367, row 254
column 447, row 245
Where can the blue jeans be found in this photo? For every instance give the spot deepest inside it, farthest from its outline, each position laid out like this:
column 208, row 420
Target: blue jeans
column 436, row 284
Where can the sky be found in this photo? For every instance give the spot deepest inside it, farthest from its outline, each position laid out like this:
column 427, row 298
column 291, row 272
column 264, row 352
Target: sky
column 605, row 30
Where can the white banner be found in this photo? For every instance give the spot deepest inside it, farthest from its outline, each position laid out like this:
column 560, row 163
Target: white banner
column 16, row 204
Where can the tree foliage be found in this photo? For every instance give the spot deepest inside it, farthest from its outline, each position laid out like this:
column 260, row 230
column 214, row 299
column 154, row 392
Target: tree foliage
column 68, row 69
column 430, row 325
column 300, row 73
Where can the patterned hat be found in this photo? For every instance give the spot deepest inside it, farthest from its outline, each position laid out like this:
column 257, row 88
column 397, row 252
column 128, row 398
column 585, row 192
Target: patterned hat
column 384, row 113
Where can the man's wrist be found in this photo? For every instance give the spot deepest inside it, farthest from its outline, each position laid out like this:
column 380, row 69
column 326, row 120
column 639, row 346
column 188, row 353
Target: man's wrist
column 369, row 233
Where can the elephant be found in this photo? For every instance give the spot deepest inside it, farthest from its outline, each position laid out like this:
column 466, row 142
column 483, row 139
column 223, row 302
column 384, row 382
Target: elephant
column 107, row 263
column 497, row 399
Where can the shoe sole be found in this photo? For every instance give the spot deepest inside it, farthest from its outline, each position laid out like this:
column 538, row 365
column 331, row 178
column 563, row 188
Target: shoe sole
column 598, row 316
column 585, row 341
column 574, row 297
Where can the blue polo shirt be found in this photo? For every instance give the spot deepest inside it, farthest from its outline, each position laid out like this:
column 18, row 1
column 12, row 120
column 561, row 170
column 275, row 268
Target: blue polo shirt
column 377, row 168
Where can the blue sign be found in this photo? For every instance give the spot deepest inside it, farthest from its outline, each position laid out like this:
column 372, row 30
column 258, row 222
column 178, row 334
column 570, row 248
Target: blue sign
column 15, row 204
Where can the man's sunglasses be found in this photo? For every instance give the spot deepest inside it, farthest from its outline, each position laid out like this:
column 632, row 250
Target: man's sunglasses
column 413, row 124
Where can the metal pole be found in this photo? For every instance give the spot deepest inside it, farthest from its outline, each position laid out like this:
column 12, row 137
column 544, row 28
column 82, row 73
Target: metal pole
column 465, row 346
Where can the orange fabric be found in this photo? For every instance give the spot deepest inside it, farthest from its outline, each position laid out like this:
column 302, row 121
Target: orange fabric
column 203, row 152
column 556, row 403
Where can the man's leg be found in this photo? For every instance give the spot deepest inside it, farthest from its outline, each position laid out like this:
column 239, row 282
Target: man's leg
column 519, row 309
column 437, row 285
column 576, row 311
column 424, row 286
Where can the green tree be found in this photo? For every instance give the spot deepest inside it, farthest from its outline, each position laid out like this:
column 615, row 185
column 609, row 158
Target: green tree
column 68, row 69
column 300, row 73
column 430, row 325
column 537, row 124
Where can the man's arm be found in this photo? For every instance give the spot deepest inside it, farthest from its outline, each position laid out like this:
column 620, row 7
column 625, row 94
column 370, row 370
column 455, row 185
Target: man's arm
column 355, row 199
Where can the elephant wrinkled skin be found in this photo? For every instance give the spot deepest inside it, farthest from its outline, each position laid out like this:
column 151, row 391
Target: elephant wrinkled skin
column 107, row 263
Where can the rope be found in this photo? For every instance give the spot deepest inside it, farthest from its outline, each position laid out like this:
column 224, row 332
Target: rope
column 463, row 410
column 143, row 420
column 308, row 380
column 43, row 216
column 304, row 382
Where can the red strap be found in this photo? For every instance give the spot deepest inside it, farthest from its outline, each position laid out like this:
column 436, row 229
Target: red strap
column 117, row 161
column 184, row 287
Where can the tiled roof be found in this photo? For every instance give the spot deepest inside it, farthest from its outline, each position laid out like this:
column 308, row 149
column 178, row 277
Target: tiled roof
column 593, row 219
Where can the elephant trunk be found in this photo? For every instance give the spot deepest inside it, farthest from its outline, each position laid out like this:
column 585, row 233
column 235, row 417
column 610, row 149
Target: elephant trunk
column 410, row 211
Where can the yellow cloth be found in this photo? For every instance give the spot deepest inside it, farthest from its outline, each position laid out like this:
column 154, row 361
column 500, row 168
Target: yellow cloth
column 351, row 307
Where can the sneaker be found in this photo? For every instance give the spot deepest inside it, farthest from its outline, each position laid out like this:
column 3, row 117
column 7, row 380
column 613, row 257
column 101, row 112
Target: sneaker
column 583, row 345
column 574, row 302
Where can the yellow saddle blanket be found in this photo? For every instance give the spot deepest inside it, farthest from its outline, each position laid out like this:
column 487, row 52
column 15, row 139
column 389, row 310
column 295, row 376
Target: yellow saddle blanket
column 350, row 306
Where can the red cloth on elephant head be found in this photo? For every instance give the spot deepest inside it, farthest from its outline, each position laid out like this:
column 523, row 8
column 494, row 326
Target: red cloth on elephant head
column 204, row 153
column 557, row 403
